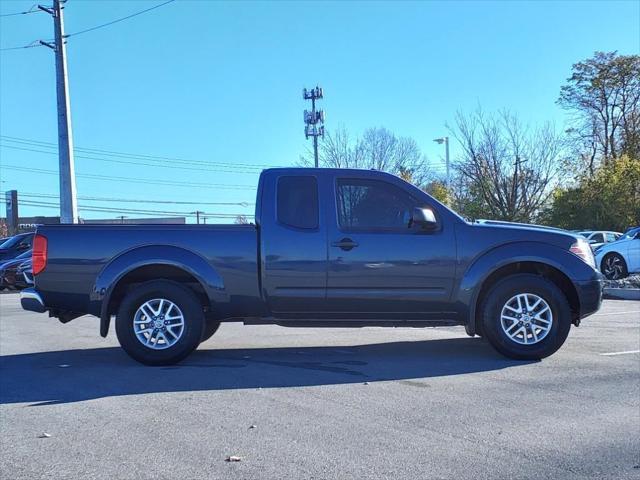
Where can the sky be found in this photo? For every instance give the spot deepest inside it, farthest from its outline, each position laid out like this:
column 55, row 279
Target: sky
column 219, row 84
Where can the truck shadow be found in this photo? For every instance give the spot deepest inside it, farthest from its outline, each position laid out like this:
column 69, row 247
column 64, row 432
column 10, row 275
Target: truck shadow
column 76, row 375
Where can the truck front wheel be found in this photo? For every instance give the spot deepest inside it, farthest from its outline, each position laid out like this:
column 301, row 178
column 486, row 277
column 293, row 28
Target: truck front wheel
column 160, row 323
column 526, row 317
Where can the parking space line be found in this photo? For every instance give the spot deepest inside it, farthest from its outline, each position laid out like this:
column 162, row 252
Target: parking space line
column 615, row 313
column 619, row 353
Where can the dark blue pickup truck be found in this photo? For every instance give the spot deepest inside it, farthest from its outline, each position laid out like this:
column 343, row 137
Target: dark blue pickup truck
column 330, row 247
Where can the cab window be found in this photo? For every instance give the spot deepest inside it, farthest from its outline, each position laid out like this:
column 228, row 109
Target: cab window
column 373, row 205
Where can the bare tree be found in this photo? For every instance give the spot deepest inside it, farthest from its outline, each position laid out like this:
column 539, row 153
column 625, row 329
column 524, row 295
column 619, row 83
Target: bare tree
column 603, row 98
column 506, row 170
column 241, row 220
column 378, row 149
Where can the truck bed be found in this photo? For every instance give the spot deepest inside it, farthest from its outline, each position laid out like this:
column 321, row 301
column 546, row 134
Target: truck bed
column 77, row 254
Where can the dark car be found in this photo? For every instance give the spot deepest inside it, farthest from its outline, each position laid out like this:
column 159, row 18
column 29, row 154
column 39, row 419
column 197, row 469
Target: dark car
column 330, row 247
column 24, row 275
column 9, row 271
column 15, row 245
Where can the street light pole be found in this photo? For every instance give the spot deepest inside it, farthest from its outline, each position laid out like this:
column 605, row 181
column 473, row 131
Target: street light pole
column 440, row 141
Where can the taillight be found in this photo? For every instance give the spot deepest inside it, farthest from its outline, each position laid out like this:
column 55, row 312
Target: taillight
column 39, row 255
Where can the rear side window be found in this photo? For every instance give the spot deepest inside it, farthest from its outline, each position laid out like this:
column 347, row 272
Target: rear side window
column 297, row 202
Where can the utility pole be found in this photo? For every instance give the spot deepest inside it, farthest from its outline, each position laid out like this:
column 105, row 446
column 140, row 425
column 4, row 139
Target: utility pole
column 314, row 120
column 197, row 213
column 440, row 141
column 68, row 200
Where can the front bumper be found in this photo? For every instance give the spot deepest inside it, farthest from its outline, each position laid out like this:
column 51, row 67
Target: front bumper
column 590, row 295
column 31, row 300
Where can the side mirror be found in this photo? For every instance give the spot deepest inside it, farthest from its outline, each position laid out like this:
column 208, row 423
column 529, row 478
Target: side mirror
column 592, row 241
column 424, row 218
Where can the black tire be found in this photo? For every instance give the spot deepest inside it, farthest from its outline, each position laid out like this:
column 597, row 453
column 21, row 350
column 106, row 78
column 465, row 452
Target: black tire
column 192, row 313
column 210, row 327
column 613, row 266
column 505, row 290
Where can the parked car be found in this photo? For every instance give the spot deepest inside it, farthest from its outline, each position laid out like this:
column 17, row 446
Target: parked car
column 330, row 247
column 618, row 259
column 15, row 245
column 8, row 271
column 25, row 273
column 599, row 237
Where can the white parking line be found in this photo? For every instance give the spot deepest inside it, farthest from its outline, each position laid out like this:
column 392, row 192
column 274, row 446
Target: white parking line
column 619, row 353
column 615, row 313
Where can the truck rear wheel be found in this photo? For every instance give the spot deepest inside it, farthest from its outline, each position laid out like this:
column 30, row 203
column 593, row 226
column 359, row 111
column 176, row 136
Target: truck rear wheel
column 526, row 317
column 160, row 323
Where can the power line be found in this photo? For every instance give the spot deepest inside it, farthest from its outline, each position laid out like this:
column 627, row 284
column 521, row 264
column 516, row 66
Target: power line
column 112, row 153
column 130, row 162
column 33, row 44
column 118, row 20
column 135, row 200
column 171, row 183
column 93, row 208
column 33, row 9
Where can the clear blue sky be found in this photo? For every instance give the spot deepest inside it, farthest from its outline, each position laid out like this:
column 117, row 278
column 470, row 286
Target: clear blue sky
column 221, row 82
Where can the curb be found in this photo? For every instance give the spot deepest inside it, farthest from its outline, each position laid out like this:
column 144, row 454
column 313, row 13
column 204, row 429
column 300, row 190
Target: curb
column 622, row 293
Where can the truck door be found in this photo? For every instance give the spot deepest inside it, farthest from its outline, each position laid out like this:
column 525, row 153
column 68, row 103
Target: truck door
column 293, row 245
column 380, row 267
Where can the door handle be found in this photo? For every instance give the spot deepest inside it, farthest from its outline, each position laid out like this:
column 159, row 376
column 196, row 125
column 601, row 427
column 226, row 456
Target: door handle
column 345, row 244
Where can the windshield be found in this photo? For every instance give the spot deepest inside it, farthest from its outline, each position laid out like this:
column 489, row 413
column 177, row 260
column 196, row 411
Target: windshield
column 631, row 233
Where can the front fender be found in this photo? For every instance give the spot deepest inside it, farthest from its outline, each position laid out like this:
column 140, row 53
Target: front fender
column 486, row 264
column 118, row 267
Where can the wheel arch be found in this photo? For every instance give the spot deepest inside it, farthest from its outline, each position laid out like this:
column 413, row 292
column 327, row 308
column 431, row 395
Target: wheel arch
column 556, row 276
column 550, row 262
column 154, row 263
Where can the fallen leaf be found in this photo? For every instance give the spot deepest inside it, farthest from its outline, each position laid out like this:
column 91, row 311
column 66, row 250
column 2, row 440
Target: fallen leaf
column 233, row 458
column 44, row 435
column 253, row 426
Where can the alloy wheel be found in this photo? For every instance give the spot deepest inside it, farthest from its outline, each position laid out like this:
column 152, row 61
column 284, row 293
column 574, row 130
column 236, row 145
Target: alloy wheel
column 526, row 318
column 158, row 324
column 613, row 267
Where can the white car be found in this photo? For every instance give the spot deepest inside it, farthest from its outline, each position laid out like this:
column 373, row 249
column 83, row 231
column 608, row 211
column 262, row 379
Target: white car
column 618, row 259
column 599, row 237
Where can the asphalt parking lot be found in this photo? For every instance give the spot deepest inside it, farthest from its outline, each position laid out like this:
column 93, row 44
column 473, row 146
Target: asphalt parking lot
column 319, row 403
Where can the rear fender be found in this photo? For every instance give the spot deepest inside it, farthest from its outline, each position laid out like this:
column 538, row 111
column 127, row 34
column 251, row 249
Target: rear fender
column 127, row 262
